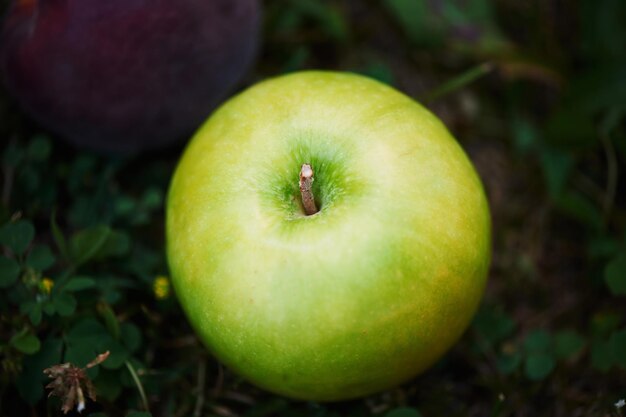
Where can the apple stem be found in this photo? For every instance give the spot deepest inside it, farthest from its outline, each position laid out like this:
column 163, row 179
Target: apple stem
column 306, row 184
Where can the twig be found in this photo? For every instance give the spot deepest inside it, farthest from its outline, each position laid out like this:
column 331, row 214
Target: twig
column 306, row 189
column 135, row 377
column 197, row 411
column 222, row 411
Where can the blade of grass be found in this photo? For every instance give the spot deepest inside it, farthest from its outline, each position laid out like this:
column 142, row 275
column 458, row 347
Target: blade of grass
column 197, row 412
column 458, row 82
column 142, row 392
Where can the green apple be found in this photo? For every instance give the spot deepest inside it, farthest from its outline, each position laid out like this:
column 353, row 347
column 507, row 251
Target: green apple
column 361, row 295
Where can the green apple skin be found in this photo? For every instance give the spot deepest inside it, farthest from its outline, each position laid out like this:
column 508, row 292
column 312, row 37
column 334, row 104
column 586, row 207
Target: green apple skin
column 359, row 297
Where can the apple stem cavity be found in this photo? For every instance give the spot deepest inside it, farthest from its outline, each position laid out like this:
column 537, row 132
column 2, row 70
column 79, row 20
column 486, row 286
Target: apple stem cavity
column 306, row 184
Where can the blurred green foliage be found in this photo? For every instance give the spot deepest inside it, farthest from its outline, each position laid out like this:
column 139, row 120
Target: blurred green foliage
column 534, row 91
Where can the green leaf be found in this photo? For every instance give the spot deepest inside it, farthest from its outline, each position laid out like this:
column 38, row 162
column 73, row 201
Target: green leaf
column 26, row 342
column 64, row 304
column 538, row 366
column 89, row 338
column 9, row 272
column 48, row 307
column 403, row 412
column 615, row 275
column 110, row 321
column 131, row 336
column 568, row 343
column 117, row 244
column 30, row 381
column 82, row 340
column 87, row 330
column 35, row 314
column 40, row 258
column 108, row 385
column 537, row 340
column 80, row 354
column 97, row 243
column 118, row 353
column 86, row 244
column 17, row 236
column 79, row 284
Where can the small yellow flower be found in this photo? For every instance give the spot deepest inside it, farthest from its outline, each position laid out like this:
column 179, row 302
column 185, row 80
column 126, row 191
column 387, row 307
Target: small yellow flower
column 46, row 285
column 161, row 287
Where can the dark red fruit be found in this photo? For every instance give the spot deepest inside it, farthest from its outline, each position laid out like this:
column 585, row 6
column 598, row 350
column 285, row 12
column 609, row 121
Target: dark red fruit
column 125, row 75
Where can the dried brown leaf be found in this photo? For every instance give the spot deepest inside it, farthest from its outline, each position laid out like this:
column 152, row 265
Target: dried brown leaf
column 69, row 383
column 98, row 360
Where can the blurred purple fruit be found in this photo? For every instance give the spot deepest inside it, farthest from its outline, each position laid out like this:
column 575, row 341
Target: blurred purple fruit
column 126, row 75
